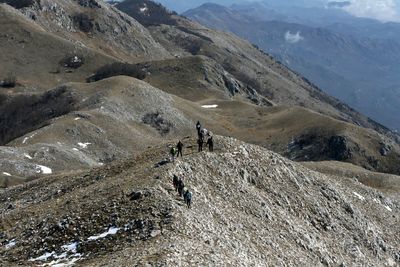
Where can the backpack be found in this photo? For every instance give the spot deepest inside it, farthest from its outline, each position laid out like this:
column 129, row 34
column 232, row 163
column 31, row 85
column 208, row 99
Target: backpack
column 189, row 195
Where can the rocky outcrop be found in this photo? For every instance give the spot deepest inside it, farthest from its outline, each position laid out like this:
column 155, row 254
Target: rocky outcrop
column 104, row 28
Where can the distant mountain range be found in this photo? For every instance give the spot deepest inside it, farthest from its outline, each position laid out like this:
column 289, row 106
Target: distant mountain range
column 353, row 59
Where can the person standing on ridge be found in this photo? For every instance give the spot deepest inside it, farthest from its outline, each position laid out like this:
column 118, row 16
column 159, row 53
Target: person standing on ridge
column 200, row 142
column 179, row 146
column 188, row 198
column 210, row 143
column 198, row 128
column 172, row 151
column 175, row 181
column 181, row 185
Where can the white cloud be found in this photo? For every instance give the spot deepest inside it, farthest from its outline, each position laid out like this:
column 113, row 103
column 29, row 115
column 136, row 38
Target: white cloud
column 384, row 10
column 293, row 37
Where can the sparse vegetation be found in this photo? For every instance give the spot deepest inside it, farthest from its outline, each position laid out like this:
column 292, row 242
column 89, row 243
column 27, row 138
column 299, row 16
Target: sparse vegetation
column 83, row 22
column 148, row 13
column 24, row 113
column 73, row 61
column 159, row 123
column 9, row 82
column 89, row 3
column 116, row 69
column 20, row 3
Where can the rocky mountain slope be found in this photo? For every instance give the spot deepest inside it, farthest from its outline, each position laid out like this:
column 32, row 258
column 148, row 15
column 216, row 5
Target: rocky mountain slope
column 52, row 121
column 84, row 149
column 250, row 207
column 358, row 70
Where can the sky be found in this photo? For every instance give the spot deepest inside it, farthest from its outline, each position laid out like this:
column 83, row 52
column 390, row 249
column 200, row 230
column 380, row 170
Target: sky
column 384, row 10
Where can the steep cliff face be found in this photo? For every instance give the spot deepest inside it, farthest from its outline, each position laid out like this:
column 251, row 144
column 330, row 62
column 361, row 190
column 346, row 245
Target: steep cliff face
column 250, row 207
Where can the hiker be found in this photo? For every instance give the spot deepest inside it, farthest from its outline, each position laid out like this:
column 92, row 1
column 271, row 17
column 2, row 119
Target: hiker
column 188, row 198
column 175, row 182
column 179, row 146
column 200, row 142
column 181, row 185
column 198, row 128
column 210, row 143
column 173, row 153
column 204, row 132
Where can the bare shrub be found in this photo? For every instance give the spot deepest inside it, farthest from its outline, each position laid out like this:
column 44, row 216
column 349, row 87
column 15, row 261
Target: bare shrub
column 20, row 3
column 83, row 22
column 157, row 122
column 72, row 61
column 9, row 82
column 24, row 113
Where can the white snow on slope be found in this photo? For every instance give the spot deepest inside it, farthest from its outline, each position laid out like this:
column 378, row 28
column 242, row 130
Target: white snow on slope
column 27, row 138
column 70, row 247
column 6, row 174
column 44, row 257
column 10, row 244
column 84, row 145
column 388, row 208
column 61, row 260
column 111, row 231
column 209, row 106
column 43, row 169
column 27, row 156
column 143, row 9
column 359, row 196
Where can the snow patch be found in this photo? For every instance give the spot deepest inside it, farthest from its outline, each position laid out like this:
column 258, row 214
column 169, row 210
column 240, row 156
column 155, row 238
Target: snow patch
column 70, row 247
column 209, row 106
column 359, row 196
column 61, row 260
column 143, row 9
column 27, row 156
column 388, row 208
column 70, row 262
column 111, row 231
column 27, row 138
column 376, row 201
column 10, row 244
column 77, row 118
column 75, row 149
column 44, row 257
column 84, row 145
column 43, row 169
column 6, row 174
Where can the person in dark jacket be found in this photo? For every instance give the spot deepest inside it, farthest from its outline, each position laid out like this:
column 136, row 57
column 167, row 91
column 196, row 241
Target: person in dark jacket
column 200, row 142
column 198, row 128
column 179, row 146
column 188, row 198
column 210, row 143
column 181, row 185
column 175, row 181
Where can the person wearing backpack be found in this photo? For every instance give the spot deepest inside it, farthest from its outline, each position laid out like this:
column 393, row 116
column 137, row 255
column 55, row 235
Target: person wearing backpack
column 179, row 146
column 200, row 142
column 181, row 186
column 188, row 198
column 175, row 182
column 172, row 151
column 210, row 143
column 198, row 128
